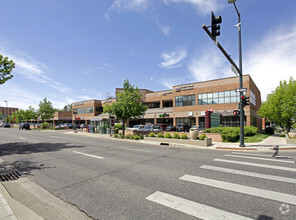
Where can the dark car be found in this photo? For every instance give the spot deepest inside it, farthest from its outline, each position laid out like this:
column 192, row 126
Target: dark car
column 183, row 127
column 25, row 126
column 6, row 125
column 170, row 128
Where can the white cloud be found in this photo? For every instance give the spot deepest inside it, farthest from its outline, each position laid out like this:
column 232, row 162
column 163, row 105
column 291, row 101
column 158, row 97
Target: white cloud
column 126, row 5
column 173, row 59
column 210, row 65
column 151, row 78
column 272, row 60
column 164, row 28
column 203, row 6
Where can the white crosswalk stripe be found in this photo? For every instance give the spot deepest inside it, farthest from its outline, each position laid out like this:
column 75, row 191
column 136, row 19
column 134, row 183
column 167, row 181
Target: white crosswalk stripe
column 267, row 194
column 263, row 155
column 251, row 174
column 257, row 158
column 192, row 208
column 257, row 165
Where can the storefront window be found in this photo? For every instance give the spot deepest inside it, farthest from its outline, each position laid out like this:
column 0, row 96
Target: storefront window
column 90, row 110
column 183, row 121
column 79, row 110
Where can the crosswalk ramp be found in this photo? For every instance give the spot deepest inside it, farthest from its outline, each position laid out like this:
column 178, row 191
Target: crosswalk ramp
column 200, row 210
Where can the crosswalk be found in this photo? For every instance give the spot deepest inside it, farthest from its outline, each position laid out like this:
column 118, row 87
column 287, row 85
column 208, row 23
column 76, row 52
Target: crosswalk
column 263, row 164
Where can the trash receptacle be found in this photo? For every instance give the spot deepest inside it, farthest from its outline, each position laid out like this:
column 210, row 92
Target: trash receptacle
column 89, row 129
column 108, row 130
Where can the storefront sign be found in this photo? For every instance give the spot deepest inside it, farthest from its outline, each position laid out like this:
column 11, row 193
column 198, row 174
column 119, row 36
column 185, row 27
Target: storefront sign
column 78, row 103
column 190, row 114
column 224, row 112
column 164, row 115
column 107, row 101
column 184, row 88
column 166, row 93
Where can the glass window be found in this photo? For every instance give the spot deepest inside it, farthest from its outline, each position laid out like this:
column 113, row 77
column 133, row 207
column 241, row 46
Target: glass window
column 221, row 94
column 204, row 96
column 227, row 100
column 210, row 95
column 185, row 100
column 90, row 110
column 221, row 100
column 233, row 93
column 215, row 101
column 233, row 99
column 227, row 94
column 215, row 95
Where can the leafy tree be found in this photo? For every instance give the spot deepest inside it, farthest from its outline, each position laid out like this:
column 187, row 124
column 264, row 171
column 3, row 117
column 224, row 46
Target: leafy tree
column 280, row 106
column 128, row 104
column 67, row 108
column 18, row 115
column 6, row 67
column 45, row 110
column 29, row 114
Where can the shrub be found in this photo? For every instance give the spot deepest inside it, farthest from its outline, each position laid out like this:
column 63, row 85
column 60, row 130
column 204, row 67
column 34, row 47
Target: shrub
column 115, row 135
column 202, row 137
column 121, row 136
column 45, row 125
column 250, row 130
column 129, row 136
column 269, row 130
column 168, row 135
column 230, row 134
column 142, row 136
column 282, row 135
column 184, row 136
column 176, row 136
column 117, row 127
column 214, row 130
column 137, row 137
column 151, row 134
column 160, row 135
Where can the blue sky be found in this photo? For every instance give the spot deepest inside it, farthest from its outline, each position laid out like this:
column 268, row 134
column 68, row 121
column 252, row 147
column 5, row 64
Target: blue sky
column 75, row 50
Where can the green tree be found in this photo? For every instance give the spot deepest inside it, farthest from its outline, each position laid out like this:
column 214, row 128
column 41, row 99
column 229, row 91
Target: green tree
column 128, row 104
column 29, row 114
column 45, row 110
column 6, row 67
column 280, row 105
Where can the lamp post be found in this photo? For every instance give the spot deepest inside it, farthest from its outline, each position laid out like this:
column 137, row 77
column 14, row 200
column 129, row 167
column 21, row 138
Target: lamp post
column 74, row 113
column 241, row 107
column 6, row 112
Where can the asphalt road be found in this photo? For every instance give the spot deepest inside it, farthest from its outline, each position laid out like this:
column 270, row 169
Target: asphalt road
column 115, row 179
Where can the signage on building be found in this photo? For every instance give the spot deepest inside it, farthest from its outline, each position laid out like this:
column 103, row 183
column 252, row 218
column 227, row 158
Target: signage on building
column 190, row 114
column 164, row 115
column 107, row 101
column 184, row 88
column 166, row 93
column 78, row 103
column 224, row 112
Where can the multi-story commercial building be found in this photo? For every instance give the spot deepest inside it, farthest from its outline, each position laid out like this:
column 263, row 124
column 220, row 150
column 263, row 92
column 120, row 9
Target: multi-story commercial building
column 7, row 110
column 188, row 103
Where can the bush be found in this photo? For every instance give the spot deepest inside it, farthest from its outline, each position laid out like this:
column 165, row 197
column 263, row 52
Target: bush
column 137, row 137
column 184, row 136
column 121, row 136
column 269, row 130
column 168, row 135
column 202, row 137
column 117, row 127
column 45, row 125
column 141, row 136
column 230, row 134
column 250, row 130
column 115, row 135
column 160, row 135
column 129, row 136
column 282, row 135
column 151, row 134
column 176, row 136
column 214, row 130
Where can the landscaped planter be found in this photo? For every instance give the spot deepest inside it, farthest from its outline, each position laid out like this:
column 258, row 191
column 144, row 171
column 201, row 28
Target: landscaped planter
column 205, row 143
column 291, row 140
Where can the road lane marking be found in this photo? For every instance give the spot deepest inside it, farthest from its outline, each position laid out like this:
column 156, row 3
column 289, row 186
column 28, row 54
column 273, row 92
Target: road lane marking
column 252, row 174
column 89, row 155
column 257, row 158
column 22, row 138
column 267, row 194
column 134, row 149
column 263, row 155
column 257, row 165
column 192, row 208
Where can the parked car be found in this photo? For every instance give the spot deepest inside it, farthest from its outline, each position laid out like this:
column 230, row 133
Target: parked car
column 156, row 128
column 146, row 128
column 83, row 125
column 195, row 128
column 25, row 126
column 136, row 128
column 6, row 125
column 170, row 128
column 183, row 127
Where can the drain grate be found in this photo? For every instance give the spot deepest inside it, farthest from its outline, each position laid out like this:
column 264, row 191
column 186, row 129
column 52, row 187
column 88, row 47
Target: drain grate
column 10, row 176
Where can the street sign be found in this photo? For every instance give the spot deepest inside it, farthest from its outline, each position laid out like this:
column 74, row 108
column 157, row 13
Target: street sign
column 234, row 70
column 241, row 89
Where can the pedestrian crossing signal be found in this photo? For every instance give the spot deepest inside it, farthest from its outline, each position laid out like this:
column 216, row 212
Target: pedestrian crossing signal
column 236, row 112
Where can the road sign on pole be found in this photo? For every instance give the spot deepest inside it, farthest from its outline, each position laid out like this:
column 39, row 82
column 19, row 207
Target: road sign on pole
column 241, row 90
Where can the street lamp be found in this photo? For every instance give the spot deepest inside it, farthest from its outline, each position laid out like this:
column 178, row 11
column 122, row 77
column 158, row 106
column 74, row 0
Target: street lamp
column 241, row 108
column 75, row 113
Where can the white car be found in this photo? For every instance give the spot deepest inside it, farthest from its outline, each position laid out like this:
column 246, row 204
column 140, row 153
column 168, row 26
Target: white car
column 136, row 128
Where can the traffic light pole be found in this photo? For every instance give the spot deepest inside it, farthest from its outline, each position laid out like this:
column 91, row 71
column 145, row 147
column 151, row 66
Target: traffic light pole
column 241, row 107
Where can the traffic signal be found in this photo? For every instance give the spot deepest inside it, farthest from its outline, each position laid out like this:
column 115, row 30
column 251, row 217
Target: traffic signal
column 245, row 100
column 236, row 112
column 216, row 20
